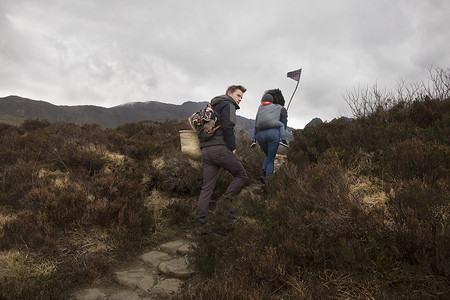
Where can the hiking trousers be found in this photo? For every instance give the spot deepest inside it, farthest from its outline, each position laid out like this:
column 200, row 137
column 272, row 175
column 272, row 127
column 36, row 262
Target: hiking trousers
column 214, row 158
column 268, row 140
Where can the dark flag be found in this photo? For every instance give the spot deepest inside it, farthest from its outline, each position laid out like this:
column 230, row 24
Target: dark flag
column 295, row 74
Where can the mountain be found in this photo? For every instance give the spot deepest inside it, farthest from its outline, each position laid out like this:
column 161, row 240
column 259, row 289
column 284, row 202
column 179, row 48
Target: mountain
column 314, row 122
column 14, row 110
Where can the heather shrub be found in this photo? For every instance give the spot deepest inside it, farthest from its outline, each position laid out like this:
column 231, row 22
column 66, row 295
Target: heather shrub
column 17, row 181
column 224, row 287
column 23, row 232
column 147, row 138
column 31, row 277
column 62, row 185
column 429, row 112
column 240, row 261
column 8, row 145
column 251, row 158
column 72, row 156
column 180, row 213
column 419, row 212
column 374, row 134
column 173, row 173
column 32, row 125
column 63, row 207
column 327, row 239
column 414, row 159
column 117, row 202
column 328, row 225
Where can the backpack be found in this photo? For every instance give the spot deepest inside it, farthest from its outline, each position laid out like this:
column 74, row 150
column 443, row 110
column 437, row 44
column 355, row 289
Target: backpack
column 205, row 122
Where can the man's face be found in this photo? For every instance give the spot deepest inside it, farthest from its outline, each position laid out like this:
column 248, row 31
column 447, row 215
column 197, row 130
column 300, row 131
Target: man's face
column 236, row 95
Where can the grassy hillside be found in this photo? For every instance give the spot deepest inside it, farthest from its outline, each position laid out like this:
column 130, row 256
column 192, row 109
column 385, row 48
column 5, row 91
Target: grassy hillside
column 360, row 209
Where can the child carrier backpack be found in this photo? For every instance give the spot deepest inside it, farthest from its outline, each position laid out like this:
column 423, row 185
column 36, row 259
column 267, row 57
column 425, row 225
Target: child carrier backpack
column 205, row 122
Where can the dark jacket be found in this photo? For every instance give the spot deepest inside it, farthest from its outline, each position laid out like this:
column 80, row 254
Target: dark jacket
column 226, row 107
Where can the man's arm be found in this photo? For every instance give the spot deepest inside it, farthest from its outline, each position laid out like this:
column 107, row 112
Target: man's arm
column 228, row 126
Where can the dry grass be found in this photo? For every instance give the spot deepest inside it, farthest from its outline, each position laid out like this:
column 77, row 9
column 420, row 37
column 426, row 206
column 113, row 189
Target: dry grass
column 20, row 265
column 367, row 190
column 95, row 240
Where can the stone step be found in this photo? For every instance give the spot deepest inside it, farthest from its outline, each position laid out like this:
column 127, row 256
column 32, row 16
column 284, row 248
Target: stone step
column 170, row 260
column 178, row 267
column 167, row 287
column 136, row 278
column 90, row 294
column 172, row 247
column 154, row 258
column 125, row 295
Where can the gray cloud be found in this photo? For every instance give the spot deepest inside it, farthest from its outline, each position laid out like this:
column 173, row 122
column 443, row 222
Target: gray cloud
column 111, row 52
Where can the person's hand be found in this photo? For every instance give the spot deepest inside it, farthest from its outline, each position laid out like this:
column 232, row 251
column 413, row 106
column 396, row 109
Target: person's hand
column 235, row 154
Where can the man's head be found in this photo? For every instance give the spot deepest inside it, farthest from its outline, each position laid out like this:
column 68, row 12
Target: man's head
column 236, row 92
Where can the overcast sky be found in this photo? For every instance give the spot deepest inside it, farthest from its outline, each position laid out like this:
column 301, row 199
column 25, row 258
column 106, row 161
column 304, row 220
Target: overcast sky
column 110, row 52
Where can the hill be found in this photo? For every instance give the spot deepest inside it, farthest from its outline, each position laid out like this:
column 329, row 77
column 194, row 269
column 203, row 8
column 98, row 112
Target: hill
column 14, row 110
column 359, row 208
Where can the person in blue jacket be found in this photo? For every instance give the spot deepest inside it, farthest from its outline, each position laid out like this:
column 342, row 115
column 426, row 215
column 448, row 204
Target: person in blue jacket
column 269, row 130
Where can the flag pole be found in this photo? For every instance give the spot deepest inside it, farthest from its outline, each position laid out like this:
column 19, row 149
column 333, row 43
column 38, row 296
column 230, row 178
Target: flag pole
column 296, row 86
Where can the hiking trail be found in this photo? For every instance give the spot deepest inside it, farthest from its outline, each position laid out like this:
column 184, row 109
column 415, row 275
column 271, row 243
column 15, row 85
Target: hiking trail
column 156, row 274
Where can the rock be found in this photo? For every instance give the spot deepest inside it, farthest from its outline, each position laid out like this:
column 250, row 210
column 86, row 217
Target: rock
column 125, row 295
column 154, row 258
column 90, row 294
column 157, row 275
column 177, row 267
column 167, row 287
column 185, row 249
column 136, row 278
column 172, row 247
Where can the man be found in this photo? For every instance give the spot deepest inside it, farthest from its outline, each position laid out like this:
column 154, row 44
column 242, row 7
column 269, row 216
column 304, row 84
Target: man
column 220, row 152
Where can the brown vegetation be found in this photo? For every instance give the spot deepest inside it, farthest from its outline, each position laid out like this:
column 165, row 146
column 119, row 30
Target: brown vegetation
column 359, row 210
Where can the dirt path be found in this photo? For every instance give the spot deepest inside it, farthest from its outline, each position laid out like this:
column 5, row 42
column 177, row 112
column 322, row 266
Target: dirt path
column 156, row 274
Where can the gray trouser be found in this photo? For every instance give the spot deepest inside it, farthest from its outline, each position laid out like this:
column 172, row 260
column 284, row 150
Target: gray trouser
column 214, row 158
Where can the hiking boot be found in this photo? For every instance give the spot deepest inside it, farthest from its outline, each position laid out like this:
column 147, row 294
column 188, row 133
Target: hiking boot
column 284, row 142
column 253, row 144
column 263, row 177
column 200, row 228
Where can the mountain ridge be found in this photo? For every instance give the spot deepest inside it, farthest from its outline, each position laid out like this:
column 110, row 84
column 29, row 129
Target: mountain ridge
column 15, row 109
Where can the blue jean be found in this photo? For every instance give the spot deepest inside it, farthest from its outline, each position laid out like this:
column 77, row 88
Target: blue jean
column 282, row 131
column 268, row 140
